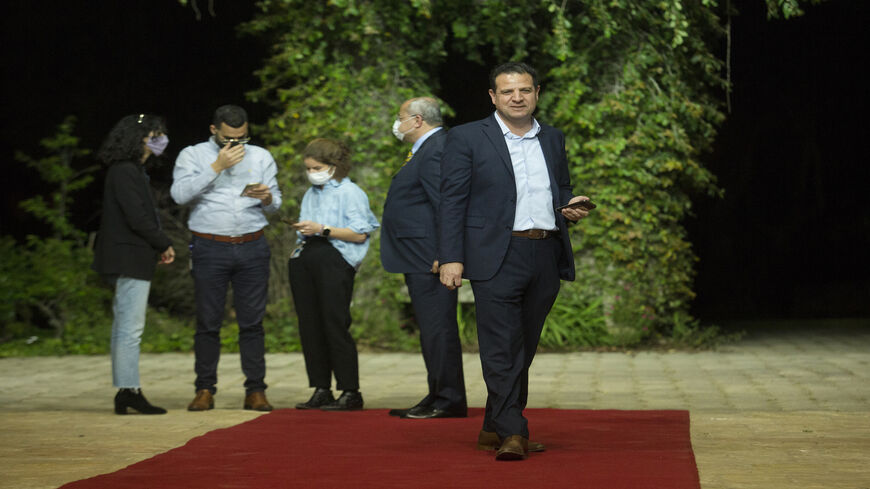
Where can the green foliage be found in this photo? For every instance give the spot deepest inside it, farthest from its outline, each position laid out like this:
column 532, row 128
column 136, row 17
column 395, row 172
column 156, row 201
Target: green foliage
column 634, row 84
column 50, row 279
column 576, row 319
column 635, row 100
column 788, row 8
column 57, row 169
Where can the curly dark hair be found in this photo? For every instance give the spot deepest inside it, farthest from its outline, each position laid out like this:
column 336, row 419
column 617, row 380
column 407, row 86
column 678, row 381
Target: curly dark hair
column 124, row 142
column 331, row 152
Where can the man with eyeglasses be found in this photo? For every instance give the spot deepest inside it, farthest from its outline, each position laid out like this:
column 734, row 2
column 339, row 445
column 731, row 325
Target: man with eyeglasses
column 408, row 246
column 230, row 185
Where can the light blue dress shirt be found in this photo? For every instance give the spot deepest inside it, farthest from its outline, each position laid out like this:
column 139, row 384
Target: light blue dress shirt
column 534, row 197
column 340, row 204
column 218, row 205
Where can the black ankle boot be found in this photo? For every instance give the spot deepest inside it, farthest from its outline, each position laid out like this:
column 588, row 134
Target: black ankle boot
column 134, row 398
column 347, row 401
column 320, row 397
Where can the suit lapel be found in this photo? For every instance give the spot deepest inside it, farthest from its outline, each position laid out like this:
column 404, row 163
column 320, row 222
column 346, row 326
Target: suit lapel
column 419, row 151
column 493, row 132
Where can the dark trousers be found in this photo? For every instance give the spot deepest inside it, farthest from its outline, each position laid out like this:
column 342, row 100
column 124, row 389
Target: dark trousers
column 216, row 265
column 322, row 285
column 435, row 309
column 511, row 308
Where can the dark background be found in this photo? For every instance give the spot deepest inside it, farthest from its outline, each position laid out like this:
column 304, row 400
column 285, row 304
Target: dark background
column 789, row 240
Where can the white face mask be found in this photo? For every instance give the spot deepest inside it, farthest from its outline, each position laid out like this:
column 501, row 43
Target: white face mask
column 321, row 177
column 399, row 135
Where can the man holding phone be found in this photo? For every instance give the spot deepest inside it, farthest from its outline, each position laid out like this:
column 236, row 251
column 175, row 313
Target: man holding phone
column 501, row 180
column 230, row 185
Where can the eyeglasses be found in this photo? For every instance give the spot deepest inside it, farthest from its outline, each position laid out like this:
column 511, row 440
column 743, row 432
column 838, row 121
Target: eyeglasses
column 232, row 141
column 399, row 117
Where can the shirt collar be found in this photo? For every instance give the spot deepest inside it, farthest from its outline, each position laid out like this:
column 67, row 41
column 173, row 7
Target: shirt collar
column 330, row 183
column 423, row 139
column 533, row 132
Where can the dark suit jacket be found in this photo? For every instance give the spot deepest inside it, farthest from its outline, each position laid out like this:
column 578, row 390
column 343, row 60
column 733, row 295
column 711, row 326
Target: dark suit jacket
column 409, row 222
column 478, row 197
column 130, row 239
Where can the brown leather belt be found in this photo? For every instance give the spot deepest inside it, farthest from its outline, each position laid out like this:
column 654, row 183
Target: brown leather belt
column 244, row 238
column 536, row 233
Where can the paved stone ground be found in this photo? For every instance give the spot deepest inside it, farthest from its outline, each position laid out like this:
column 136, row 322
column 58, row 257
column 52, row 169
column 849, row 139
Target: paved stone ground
column 781, row 408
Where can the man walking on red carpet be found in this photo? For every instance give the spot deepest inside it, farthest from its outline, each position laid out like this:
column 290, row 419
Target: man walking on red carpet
column 502, row 179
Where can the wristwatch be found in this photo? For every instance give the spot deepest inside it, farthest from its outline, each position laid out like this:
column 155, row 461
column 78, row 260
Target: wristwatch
column 325, row 232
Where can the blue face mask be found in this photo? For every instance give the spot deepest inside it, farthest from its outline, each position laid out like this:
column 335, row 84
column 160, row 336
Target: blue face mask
column 158, row 144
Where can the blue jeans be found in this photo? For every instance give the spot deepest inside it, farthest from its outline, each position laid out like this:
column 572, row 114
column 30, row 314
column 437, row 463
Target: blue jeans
column 215, row 266
column 131, row 300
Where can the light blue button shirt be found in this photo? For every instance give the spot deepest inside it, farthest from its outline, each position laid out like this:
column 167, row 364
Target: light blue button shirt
column 341, row 205
column 218, row 205
column 534, row 197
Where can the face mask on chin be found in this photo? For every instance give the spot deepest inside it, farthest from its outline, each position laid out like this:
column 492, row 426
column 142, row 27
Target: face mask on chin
column 321, row 177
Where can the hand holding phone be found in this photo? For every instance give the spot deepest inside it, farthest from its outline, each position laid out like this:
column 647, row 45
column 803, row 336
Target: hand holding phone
column 584, row 204
column 249, row 187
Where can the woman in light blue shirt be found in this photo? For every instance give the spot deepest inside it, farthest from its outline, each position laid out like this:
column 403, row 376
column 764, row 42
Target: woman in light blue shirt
column 334, row 227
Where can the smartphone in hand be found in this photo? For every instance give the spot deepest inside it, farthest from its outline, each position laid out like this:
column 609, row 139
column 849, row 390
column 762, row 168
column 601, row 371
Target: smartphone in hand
column 248, row 188
column 585, row 204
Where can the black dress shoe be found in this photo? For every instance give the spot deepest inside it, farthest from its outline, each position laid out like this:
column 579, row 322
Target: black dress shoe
column 429, row 412
column 321, row 397
column 402, row 412
column 133, row 398
column 347, row 401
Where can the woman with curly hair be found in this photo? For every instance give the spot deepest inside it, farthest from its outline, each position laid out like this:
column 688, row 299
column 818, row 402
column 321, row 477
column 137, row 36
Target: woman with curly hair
column 334, row 225
column 129, row 245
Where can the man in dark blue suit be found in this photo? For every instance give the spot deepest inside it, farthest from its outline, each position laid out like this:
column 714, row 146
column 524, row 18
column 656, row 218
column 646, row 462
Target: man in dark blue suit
column 501, row 180
column 408, row 246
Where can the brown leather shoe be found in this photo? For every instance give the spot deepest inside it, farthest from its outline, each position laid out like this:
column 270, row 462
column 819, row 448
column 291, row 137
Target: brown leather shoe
column 257, row 401
column 514, row 447
column 202, row 402
column 489, row 440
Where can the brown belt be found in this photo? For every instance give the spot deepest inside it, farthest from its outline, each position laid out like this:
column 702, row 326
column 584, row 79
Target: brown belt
column 244, row 238
column 536, row 233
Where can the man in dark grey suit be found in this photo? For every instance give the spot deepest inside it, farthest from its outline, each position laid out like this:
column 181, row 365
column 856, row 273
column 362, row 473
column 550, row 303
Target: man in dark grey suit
column 502, row 179
column 408, row 246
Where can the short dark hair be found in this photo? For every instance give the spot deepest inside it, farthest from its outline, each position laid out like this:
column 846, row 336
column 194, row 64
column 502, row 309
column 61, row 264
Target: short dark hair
column 512, row 67
column 124, row 142
column 231, row 115
column 330, row 152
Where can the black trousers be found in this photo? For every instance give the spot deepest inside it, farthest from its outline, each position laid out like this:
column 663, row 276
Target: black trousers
column 511, row 309
column 215, row 266
column 322, row 285
column 435, row 308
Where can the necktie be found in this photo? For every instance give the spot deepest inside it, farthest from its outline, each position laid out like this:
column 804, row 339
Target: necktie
column 408, row 158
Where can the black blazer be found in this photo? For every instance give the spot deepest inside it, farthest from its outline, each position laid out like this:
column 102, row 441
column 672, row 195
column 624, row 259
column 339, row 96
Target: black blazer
column 130, row 239
column 478, row 197
column 409, row 223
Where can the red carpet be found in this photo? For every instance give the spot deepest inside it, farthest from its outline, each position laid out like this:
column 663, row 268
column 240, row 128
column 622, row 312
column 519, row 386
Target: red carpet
column 369, row 449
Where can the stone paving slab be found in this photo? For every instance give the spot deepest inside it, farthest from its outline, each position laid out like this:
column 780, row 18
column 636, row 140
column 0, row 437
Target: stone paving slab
column 781, row 408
